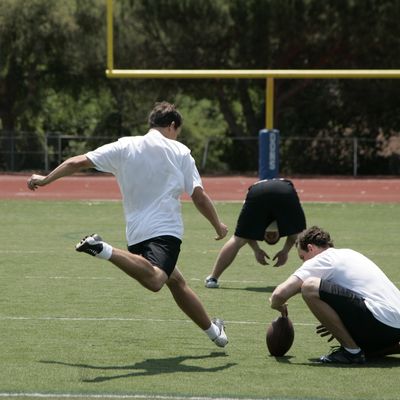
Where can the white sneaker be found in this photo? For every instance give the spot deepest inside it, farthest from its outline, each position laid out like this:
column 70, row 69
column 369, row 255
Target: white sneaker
column 221, row 340
column 211, row 283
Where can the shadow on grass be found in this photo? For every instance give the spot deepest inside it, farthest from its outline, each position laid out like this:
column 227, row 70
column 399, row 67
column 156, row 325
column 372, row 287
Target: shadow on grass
column 263, row 289
column 149, row 367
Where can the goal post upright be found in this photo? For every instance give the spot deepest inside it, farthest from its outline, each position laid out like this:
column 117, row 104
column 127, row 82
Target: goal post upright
column 268, row 75
column 110, row 36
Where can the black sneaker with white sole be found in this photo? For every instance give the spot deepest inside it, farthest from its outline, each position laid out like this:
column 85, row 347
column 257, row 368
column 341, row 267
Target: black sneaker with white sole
column 340, row 355
column 92, row 244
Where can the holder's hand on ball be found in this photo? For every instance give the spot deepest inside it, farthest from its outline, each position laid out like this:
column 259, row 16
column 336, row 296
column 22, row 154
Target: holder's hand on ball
column 284, row 311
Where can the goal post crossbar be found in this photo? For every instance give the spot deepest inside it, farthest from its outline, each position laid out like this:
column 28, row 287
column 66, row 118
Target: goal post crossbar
column 268, row 75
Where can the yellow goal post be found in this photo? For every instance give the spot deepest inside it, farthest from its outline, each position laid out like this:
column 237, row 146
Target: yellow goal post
column 269, row 74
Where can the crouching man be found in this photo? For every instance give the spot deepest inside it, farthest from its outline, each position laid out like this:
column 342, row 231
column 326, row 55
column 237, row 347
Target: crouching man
column 351, row 297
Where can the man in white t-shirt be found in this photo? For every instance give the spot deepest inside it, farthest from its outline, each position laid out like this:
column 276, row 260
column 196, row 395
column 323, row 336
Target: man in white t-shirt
column 152, row 172
column 350, row 296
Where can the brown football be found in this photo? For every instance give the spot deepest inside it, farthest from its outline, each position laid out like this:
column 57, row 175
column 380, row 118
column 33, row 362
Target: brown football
column 280, row 336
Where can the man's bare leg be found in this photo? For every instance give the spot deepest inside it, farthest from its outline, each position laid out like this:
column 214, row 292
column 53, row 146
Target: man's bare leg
column 137, row 267
column 326, row 314
column 226, row 255
column 187, row 300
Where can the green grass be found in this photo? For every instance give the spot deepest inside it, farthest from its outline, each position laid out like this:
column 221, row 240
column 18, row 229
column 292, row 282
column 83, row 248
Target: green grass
column 72, row 324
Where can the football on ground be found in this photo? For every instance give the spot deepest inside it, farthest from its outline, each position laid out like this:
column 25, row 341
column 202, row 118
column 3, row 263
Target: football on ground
column 280, row 336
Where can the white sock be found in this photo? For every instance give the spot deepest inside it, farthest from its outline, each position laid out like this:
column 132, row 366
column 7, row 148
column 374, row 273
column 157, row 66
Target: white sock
column 353, row 351
column 106, row 253
column 213, row 331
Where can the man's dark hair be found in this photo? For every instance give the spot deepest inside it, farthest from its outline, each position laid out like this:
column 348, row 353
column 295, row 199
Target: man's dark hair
column 163, row 114
column 314, row 235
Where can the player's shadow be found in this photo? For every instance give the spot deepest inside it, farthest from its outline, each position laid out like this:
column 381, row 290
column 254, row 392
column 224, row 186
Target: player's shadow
column 262, row 289
column 283, row 359
column 149, row 367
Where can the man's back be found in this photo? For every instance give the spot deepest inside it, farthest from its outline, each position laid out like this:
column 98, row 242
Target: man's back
column 152, row 172
column 354, row 271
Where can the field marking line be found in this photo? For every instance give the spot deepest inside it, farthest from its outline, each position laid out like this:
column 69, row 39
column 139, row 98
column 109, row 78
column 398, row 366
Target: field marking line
column 19, row 252
column 124, row 319
column 70, row 277
column 123, row 396
column 111, row 279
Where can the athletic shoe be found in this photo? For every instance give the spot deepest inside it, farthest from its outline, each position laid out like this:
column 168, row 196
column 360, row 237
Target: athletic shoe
column 92, row 245
column 211, row 283
column 340, row 355
column 221, row 340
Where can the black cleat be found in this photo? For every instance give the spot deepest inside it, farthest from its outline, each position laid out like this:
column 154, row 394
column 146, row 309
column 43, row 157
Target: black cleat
column 92, row 244
column 339, row 355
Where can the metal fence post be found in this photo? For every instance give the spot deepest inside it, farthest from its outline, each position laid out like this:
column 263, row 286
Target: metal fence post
column 46, row 152
column 355, row 156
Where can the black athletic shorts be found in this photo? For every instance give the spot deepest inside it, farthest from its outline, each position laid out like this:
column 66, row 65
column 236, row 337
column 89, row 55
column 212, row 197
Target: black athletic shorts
column 161, row 251
column 369, row 333
column 267, row 201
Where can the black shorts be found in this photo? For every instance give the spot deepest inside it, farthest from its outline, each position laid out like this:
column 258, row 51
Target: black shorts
column 369, row 333
column 161, row 251
column 267, row 201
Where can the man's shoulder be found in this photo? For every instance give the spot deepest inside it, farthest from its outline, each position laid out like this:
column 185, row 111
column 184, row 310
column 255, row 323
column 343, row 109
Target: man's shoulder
column 127, row 141
column 157, row 138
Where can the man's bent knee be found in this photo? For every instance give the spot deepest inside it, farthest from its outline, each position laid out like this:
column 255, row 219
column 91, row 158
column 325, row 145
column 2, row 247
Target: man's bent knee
column 157, row 281
column 310, row 287
column 153, row 285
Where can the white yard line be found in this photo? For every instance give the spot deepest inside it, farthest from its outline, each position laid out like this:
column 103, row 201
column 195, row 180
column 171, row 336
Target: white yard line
column 124, row 319
column 120, row 396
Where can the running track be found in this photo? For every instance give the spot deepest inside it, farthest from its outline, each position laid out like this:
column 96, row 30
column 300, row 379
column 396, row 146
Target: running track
column 232, row 188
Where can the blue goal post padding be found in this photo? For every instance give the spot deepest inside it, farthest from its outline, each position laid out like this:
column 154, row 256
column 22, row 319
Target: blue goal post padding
column 268, row 157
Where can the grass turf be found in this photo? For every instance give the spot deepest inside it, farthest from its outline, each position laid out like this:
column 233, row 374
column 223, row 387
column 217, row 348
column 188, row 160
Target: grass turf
column 72, row 324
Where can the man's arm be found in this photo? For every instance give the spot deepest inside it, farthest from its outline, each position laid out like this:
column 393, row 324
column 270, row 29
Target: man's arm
column 68, row 167
column 284, row 292
column 204, row 204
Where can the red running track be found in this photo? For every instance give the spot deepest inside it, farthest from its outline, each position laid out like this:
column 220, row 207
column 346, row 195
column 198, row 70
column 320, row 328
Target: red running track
column 231, row 188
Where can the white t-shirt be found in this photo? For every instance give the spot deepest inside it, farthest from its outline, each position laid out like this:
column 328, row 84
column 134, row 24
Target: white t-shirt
column 356, row 272
column 152, row 172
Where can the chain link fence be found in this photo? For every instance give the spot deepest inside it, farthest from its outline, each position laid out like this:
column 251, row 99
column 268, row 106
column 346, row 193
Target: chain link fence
column 26, row 151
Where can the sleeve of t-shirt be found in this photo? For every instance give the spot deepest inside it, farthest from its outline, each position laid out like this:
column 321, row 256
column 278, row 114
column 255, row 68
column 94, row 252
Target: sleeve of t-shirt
column 319, row 266
column 106, row 158
column 191, row 175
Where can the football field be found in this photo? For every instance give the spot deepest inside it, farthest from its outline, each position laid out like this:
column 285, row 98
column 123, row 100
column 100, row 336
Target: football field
column 72, row 326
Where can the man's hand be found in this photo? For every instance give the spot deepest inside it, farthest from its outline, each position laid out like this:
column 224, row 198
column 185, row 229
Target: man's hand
column 222, row 231
column 261, row 256
column 322, row 331
column 281, row 258
column 282, row 308
column 35, row 181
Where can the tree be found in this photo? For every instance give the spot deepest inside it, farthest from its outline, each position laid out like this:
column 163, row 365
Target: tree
column 52, row 71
